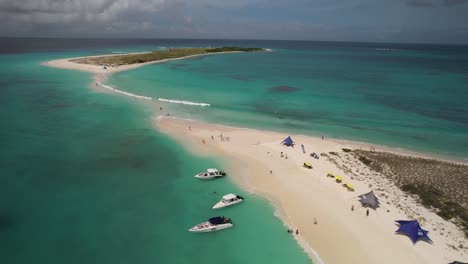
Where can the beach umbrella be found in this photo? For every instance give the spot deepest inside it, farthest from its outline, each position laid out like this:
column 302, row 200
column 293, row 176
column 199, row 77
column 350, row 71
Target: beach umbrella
column 369, row 200
column 308, row 165
column 457, row 262
column 338, row 178
column 288, row 142
column 413, row 230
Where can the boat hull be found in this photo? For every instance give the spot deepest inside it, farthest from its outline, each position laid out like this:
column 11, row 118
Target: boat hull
column 205, row 177
column 201, row 176
column 212, row 228
column 220, row 205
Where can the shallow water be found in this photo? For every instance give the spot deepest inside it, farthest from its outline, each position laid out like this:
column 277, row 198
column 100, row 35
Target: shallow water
column 85, row 178
column 411, row 97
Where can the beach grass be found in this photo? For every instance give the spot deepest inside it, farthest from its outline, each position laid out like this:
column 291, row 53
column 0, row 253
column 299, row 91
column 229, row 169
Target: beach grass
column 431, row 197
column 440, row 185
column 118, row 60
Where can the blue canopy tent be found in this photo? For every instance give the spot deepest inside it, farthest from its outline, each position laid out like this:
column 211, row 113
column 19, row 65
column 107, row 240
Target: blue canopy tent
column 288, row 142
column 413, row 230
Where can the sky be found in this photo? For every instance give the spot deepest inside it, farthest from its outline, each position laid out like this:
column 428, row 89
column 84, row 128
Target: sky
column 408, row 21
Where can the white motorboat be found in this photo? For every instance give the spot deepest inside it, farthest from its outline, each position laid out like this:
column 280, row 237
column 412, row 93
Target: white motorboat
column 210, row 174
column 213, row 224
column 228, row 199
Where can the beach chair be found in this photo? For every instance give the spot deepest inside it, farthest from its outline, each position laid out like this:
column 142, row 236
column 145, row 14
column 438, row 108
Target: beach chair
column 349, row 187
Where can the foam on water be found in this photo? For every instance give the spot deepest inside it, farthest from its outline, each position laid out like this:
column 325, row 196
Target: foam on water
column 182, row 102
column 126, row 93
column 150, row 98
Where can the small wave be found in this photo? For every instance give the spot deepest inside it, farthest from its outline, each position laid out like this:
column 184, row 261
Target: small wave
column 314, row 253
column 118, row 52
column 182, row 102
column 122, row 92
column 388, row 49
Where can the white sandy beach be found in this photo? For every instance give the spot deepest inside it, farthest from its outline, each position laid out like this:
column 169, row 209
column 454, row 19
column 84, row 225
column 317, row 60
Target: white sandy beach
column 302, row 195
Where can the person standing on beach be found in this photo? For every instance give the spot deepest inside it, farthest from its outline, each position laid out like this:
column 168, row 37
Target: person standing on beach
column 367, row 212
column 297, row 231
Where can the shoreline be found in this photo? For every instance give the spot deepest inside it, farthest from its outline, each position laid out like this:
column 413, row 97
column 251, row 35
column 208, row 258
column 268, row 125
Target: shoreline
column 302, row 196
column 358, row 144
column 287, row 203
column 101, row 75
column 97, row 69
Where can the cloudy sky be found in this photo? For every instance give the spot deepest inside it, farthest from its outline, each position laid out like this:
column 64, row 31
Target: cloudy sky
column 426, row 21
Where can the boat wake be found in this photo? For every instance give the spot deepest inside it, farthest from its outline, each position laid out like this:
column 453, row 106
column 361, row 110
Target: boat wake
column 126, row 93
column 182, row 102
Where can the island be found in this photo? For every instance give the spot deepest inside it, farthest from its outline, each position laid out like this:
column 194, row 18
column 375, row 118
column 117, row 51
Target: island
column 137, row 58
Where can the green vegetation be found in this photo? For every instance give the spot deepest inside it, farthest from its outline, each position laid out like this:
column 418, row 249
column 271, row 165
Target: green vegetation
column 118, row 60
column 430, row 197
column 365, row 160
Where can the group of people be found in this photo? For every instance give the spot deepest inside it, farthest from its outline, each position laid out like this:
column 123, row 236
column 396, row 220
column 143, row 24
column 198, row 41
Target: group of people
column 291, row 231
column 222, row 138
column 212, row 137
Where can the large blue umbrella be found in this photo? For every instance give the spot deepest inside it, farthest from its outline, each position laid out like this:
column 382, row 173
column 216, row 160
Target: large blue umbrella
column 413, row 230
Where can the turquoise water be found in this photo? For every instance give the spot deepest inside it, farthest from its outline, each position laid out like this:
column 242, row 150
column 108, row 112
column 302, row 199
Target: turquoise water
column 412, row 98
column 85, row 178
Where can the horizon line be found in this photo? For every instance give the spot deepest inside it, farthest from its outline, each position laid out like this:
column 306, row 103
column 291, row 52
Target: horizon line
column 241, row 39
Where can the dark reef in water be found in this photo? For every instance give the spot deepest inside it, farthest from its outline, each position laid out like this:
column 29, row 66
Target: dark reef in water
column 284, row 89
column 6, row 221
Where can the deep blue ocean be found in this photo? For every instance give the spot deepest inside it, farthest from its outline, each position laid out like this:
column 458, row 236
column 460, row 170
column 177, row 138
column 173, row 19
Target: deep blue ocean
column 85, row 177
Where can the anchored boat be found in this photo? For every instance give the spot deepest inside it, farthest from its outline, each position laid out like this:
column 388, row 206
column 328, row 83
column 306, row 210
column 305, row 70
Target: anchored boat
column 213, row 224
column 210, row 174
column 228, row 200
